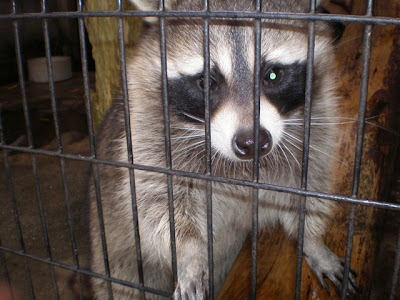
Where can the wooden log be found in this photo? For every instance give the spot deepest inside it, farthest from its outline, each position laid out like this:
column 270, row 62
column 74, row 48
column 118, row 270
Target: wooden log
column 103, row 36
column 276, row 254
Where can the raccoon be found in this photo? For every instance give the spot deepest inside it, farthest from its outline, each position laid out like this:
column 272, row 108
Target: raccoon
column 231, row 87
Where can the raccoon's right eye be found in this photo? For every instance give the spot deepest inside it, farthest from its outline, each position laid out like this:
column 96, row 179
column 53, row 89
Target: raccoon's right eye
column 273, row 76
column 213, row 84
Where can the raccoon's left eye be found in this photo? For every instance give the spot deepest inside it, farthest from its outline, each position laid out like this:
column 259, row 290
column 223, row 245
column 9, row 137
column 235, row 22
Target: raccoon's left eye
column 273, row 76
column 213, row 84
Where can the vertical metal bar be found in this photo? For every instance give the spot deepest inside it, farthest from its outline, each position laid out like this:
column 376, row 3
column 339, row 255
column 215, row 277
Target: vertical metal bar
column 31, row 144
column 102, row 228
column 57, row 129
column 359, row 145
column 86, row 88
column 164, row 77
column 15, row 207
column 5, row 273
column 96, row 179
column 207, row 115
column 15, row 212
column 306, row 148
column 256, row 160
column 396, row 268
column 129, row 148
column 52, row 95
column 4, row 266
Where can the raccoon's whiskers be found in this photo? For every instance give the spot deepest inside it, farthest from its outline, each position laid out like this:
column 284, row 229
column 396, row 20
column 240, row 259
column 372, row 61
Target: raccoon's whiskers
column 295, row 139
column 293, row 144
column 276, row 159
column 215, row 158
column 225, row 168
column 321, row 118
column 192, row 117
column 185, row 137
column 315, row 121
column 188, row 129
column 321, row 123
column 194, row 157
column 287, row 160
column 185, row 144
column 347, row 120
column 291, row 152
column 217, row 162
column 343, row 42
column 184, row 147
column 230, row 164
column 394, row 132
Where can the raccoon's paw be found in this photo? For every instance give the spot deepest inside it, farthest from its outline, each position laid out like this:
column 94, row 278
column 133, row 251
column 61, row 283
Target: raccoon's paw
column 325, row 264
column 194, row 287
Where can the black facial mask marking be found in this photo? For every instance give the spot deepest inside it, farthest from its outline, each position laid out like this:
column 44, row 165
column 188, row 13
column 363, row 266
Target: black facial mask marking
column 186, row 96
column 284, row 85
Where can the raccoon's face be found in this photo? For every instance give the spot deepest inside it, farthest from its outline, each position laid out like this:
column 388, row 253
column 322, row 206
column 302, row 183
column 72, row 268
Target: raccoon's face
column 231, row 85
column 232, row 81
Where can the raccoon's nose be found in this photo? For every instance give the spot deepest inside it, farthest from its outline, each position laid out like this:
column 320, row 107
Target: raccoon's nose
column 243, row 143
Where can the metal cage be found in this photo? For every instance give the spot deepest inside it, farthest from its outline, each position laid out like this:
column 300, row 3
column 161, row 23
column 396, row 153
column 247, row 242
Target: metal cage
column 44, row 16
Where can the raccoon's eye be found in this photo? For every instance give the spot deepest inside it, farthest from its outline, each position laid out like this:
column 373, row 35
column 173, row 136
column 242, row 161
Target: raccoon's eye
column 273, row 76
column 213, row 84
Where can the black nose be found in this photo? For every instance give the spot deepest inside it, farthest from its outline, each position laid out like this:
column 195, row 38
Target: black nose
column 243, row 143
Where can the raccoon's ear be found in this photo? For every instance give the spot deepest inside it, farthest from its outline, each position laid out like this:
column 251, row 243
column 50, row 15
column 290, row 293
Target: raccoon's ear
column 150, row 4
column 317, row 2
column 337, row 28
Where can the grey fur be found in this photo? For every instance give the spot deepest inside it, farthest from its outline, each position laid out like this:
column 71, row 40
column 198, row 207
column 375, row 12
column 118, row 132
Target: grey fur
column 231, row 204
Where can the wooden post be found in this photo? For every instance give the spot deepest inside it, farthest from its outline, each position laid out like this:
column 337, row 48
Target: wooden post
column 103, row 36
column 276, row 254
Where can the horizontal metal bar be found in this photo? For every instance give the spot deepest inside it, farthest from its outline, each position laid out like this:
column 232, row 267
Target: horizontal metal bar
column 86, row 272
column 264, row 186
column 209, row 14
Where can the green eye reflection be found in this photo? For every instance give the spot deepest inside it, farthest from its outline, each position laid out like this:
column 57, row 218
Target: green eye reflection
column 272, row 75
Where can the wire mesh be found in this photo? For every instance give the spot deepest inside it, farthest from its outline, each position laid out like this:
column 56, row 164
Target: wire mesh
column 368, row 19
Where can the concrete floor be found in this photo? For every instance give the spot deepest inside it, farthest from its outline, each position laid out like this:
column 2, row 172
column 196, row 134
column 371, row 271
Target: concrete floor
column 53, row 197
column 52, row 194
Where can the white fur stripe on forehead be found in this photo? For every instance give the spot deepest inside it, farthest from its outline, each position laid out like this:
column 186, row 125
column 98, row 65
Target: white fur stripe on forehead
column 185, row 65
column 223, row 58
column 286, row 53
column 194, row 64
column 293, row 50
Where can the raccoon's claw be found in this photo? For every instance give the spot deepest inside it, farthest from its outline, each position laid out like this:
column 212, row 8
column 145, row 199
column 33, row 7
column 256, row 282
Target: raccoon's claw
column 337, row 280
column 325, row 264
column 195, row 288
